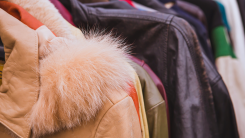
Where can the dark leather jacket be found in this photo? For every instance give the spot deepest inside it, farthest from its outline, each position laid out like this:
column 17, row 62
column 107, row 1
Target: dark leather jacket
column 170, row 47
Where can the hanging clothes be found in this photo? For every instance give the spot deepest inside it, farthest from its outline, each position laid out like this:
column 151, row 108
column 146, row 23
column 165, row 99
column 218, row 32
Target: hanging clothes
column 153, row 37
column 241, row 5
column 157, row 81
column 122, row 102
column 237, row 33
column 155, row 106
column 200, row 31
column 193, row 10
column 156, row 5
column 63, row 11
column 232, row 73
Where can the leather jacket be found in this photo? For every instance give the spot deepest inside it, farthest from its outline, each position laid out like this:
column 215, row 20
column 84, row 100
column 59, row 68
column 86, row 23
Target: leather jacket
column 170, row 47
column 155, row 105
column 193, row 10
column 225, row 115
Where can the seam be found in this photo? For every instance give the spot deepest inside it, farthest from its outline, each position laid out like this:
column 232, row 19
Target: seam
column 194, row 56
column 37, row 77
column 218, row 78
column 10, row 129
column 106, row 113
column 155, row 106
column 133, row 16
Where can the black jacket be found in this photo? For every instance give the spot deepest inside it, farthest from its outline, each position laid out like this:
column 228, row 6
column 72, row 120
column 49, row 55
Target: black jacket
column 170, row 47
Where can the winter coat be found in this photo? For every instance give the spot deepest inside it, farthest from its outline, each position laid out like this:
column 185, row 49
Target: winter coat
column 53, row 87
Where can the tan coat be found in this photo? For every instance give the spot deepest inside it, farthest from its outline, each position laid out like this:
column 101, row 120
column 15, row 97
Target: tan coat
column 63, row 94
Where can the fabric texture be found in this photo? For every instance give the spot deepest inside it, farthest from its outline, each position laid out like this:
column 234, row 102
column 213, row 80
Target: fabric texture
column 200, row 31
column 170, row 47
column 241, row 4
column 63, row 11
column 228, row 67
column 49, row 17
column 21, row 55
column 233, row 76
column 129, row 2
column 157, row 82
column 154, row 105
column 51, row 54
column 193, row 10
column 142, row 114
column 237, row 33
column 143, row 8
column 156, row 5
column 111, row 5
column 224, row 17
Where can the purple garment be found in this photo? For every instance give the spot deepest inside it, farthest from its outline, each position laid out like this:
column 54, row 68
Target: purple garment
column 166, row 1
column 157, row 82
column 63, row 11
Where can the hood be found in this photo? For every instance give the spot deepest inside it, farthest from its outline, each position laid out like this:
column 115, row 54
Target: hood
column 75, row 75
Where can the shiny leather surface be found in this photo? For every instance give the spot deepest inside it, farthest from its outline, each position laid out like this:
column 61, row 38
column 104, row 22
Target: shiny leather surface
column 20, row 88
column 111, row 5
column 170, row 47
column 110, row 121
column 156, row 5
column 155, row 106
column 224, row 110
column 157, row 82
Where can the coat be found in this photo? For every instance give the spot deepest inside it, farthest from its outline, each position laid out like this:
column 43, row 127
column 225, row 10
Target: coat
column 171, row 48
column 49, row 92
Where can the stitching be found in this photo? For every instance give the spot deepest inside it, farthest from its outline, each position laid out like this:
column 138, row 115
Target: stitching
column 37, row 77
column 155, row 106
column 10, row 129
column 132, row 16
column 103, row 116
column 107, row 112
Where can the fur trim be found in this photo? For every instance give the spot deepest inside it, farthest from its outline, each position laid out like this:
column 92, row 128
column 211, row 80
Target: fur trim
column 75, row 78
column 45, row 12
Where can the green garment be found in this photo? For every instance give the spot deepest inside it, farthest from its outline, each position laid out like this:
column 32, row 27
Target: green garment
column 222, row 46
column 154, row 105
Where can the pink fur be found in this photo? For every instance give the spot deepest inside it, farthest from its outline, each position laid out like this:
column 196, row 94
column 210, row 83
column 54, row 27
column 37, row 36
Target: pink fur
column 74, row 81
column 75, row 75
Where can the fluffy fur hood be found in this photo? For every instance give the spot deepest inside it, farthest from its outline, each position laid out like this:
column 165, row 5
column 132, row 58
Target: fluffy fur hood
column 75, row 74
column 75, row 79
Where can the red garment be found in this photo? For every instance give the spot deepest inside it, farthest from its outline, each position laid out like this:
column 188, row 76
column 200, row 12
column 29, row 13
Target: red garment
column 63, row 11
column 129, row 2
column 157, row 81
column 20, row 14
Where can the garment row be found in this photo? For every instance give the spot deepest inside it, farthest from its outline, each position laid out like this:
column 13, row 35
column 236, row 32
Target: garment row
column 139, row 69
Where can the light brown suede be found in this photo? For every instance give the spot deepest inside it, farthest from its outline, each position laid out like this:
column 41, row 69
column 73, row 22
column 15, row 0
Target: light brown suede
column 117, row 117
column 20, row 79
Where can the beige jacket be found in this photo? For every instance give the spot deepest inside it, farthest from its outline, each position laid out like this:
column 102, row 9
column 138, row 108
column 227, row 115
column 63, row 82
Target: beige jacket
column 44, row 11
column 54, row 88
